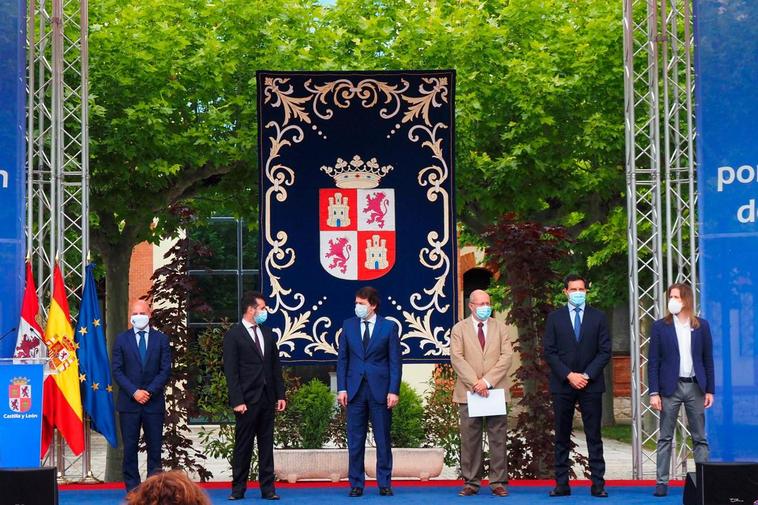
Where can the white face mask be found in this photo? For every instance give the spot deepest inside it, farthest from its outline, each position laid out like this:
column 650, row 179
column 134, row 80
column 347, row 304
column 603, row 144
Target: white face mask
column 140, row 321
column 675, row 306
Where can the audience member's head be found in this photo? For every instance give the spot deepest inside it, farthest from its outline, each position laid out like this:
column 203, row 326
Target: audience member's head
column 168, row 488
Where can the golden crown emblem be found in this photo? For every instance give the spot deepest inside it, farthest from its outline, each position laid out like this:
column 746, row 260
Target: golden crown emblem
column 20, row 381
column 357, row 173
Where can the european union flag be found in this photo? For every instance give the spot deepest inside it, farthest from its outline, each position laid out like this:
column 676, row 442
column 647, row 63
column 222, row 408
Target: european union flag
column 94, row 365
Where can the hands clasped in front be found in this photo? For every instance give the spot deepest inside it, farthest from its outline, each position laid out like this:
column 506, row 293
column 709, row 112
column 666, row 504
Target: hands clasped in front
column 280, row 406
column 577, row 380
column 141, row 396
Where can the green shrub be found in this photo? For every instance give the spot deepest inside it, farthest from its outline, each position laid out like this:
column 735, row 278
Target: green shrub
column 314, row 406
column 441, row 416
column 408, row 419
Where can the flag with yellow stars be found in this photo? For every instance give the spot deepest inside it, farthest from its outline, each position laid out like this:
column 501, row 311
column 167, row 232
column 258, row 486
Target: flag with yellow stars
column 94, row 365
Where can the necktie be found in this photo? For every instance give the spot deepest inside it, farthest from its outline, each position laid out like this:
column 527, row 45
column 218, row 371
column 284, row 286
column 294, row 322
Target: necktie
column 481, row 335
column 577, row 323
column 255, row 339
column 366, row 335
column 142, row 346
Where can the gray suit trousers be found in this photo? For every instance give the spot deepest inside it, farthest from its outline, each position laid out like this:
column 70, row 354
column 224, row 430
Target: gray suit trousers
column 689, row 395
column 472, row 429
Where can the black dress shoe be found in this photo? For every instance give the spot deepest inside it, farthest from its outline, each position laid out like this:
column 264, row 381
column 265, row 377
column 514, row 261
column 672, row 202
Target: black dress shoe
column 355, row 492
column 661, row 490
column 270, row 496
column 235, row 497
column 598, row 492
column 386, row 491
column 560, row 491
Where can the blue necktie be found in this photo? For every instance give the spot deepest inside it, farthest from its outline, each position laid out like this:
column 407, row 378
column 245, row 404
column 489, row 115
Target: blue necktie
column 577, row 323
column 142, row 346
column 366, row 336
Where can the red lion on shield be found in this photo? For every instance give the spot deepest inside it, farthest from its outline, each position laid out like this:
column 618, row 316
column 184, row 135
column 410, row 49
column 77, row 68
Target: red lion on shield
column 377, row 206
column 28, row 346
column 339, row 251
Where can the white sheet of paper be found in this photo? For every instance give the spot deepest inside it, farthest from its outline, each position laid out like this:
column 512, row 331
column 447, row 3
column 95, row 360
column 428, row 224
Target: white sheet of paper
column 493, row 405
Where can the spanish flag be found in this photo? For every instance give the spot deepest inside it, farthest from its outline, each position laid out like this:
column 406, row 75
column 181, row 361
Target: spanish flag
column 62, row 404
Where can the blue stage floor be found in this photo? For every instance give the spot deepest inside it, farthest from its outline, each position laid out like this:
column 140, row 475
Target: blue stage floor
column 408, row 495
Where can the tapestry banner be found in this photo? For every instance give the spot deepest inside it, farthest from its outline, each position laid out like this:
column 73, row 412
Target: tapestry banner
column 356, row 189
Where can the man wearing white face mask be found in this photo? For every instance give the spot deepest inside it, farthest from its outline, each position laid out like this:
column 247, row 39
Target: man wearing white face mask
column 141, row 367
column 481, row 354
column 680, row 372
column 369, row 369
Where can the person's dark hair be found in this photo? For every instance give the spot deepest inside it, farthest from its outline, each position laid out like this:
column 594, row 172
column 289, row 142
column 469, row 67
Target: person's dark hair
column 250, row 299
column 168, row 488
column 572, row 278
column 370, row 294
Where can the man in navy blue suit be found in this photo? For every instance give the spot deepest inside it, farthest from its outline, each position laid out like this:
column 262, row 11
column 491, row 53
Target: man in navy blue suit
column 369, row 369
column 141, row 367
column 577, row 347
column 680, row 372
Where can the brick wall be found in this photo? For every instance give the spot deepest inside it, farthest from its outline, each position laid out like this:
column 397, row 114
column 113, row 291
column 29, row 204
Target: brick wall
column 140, row 270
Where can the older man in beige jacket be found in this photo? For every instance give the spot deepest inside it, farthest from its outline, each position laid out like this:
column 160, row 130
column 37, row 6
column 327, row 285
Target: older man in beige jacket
column 481, row 354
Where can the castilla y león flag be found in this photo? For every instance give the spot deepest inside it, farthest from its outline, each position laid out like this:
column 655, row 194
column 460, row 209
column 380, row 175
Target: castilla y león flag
column 62, row 405
column 30, row 342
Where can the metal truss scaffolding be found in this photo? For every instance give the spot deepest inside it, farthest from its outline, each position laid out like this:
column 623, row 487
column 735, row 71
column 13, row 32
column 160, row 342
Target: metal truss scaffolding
column 57, row 156
column 661, row 193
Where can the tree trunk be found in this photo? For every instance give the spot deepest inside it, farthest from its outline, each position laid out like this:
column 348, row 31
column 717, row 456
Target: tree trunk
column 116, row 261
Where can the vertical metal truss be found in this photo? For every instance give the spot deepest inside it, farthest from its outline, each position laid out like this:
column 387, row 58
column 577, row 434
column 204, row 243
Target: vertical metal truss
column 58, row 155
column 661, row 192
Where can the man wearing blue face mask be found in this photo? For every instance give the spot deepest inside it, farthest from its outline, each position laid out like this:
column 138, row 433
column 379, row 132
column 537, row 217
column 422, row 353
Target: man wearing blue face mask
column 481, row 354
column 577, row 346
column 141, row 367
column 369, row 369
column 256, row 388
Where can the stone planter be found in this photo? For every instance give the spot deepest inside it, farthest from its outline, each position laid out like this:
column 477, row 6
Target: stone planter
column 423, row 463
column 293, row 465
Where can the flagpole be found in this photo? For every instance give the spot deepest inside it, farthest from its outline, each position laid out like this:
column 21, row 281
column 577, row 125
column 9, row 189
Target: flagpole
column 87, row 475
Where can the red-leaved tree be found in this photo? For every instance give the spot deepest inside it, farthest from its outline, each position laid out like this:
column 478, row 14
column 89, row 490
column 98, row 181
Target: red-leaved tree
column 526, row 255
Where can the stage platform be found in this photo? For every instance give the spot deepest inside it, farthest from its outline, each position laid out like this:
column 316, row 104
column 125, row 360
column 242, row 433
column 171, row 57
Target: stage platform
column 407, row 492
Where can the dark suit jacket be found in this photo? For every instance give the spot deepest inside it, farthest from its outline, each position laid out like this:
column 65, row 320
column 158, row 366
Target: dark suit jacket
column 380, row 364
column 130, row 375
column 564, row 354
column 248, row 375
column 663, row 358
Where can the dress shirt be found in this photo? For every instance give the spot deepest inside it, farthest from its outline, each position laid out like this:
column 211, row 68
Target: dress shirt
column 684, row 339
column 146, row 329
column 255, row 334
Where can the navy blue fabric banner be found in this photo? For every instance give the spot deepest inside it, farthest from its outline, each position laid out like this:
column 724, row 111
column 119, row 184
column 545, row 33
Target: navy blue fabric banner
column 727, row 155
column 20, row 414
column 12, row 179
column 356, row 189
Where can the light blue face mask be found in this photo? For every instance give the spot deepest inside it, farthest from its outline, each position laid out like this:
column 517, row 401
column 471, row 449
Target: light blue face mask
column 261, row 317
column 483, row 312
column 577, row 298
column 361, row 310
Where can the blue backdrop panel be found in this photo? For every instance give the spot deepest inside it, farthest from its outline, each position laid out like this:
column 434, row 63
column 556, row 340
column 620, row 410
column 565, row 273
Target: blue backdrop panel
column 727, row 153
column 356, row 189
column 12, row 44
column 20, row 414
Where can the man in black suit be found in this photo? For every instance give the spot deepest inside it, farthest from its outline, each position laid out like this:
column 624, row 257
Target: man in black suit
column 577, row 348
column 256, row 389
column 141, row 367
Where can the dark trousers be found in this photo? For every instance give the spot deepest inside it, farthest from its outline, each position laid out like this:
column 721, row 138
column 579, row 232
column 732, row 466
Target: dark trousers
column 360, row 410
column 591, row 406
column 131, row 424
column 256, row 423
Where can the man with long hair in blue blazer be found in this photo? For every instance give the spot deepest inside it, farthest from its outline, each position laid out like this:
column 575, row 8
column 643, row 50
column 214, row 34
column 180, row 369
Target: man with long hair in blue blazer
column 141, row 367
column 680, row 372
column 369, row 370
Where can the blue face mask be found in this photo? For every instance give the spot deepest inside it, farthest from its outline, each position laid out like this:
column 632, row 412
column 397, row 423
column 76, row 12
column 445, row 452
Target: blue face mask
column 577, row 298
column 361, row 310
column 261, row 317
column 483, row 312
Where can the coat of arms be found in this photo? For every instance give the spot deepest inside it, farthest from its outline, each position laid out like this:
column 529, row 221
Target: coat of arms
column 20, row 395
column 357, row 221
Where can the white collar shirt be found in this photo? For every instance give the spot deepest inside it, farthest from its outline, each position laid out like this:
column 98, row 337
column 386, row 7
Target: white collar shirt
column 255, row 334
column 684, row 339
